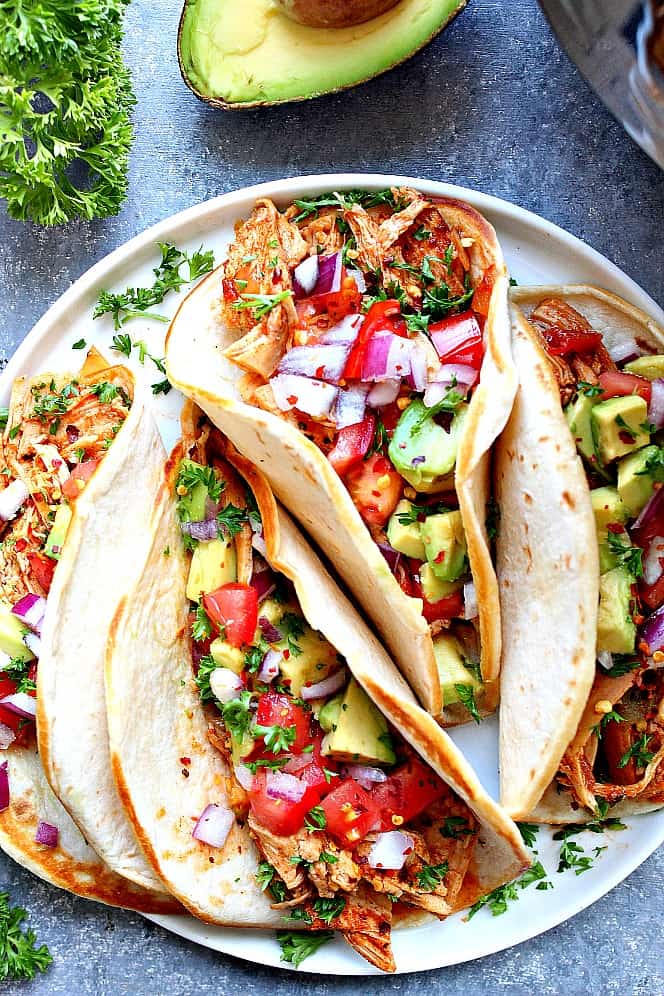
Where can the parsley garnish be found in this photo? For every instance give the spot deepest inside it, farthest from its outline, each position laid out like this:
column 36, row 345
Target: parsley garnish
column 292, row 626
column 498, row 900
column 277, row 739
column 253, row 658
column 122, row 344
column 572, row 856
column 191, row 474
column 161, row 386
column 638, row 753
column 430, row 876
column 267, row 878
column 327, row 858
column 590, row 390
column 274, row 765
column 237, row 715
column 466, row 695
column 654, row 466
column 528, row 832
column 315, row 819
column 455, row 827
column 231, row 519
column 79, row 344
column 105, row 391
column 622, row 664
column 421, row 234
column 365, row 198
column 448, row 403
column 261, row 304
column 20, row 958
column 608, row 717
column 328, row 910
column 201, row 627
column 17, row 671
column 380, row 440
column 206, row 666
column 626, row 555
column 296, row 946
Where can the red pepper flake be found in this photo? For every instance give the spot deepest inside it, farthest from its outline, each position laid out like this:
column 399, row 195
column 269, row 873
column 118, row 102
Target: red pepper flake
column 185, row 760
column 21, row 545
column 292, row 399
column 440, row 557
column 286, row 654
column 320, row 371
column 626, row 437
column 614, row 527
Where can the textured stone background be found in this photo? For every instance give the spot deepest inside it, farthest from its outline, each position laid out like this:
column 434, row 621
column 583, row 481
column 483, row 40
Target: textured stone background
column 492, row 104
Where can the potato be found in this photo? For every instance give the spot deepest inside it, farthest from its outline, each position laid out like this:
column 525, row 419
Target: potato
column 334, row 13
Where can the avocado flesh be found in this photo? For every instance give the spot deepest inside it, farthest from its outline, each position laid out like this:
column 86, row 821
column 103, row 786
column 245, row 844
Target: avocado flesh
column 12, row 631
column 616, row 631
column 317, row 659
column 418, row 437
column 635, row 484
column 236, row 55
column 58, row 534
column 452, row 669
column 212, row 565
column 360, row 733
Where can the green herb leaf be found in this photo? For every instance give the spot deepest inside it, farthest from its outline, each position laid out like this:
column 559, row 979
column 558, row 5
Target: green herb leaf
column 261, row 304
column 105, row 391
column 201, row 627
column 638, row 753
column 237, row 715
column 528, row 833
column 455, row 827
column 466, row 695
column 292, row 626
column 79, row 344
column 190, row 474
column 20, row 958
column 231, row 519
column 430, row 876
column 296, row 946
column 122, row 344
column 277, row 739
column 590, row 390
column 328, row 910
column 626, row 555
column 315, row 819
column 498, row 900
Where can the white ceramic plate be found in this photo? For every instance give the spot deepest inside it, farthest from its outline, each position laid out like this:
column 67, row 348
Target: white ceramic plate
column 536, row 252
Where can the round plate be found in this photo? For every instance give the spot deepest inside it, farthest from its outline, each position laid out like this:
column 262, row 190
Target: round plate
column 536, row 252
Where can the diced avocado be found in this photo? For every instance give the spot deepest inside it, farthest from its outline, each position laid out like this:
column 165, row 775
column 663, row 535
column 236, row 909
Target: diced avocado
column 242, row 748
column 608, row 557
column 212, row 564
column 616, row 630
column 224, row 655
column 452, row 668
column 424, row 452
column 307, row 657
column 635, row 484
column 360, row 732
column 433, row 588
column 608, row 507
column 651, row 367
column 618, row 426
column 192, row 505
column 405, row 537
column 58, row 533
column 578, row 415
column 329, row 714
column 445, row 544
column 12, row 631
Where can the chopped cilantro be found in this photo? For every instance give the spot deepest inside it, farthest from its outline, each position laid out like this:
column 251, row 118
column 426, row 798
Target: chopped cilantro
column 466, row 695
column 430, row 876
column 638, row 753
column 292, row 626
column 277, row 739
column 237, row 715
column 528, row 832
column 105, row 391
column 201, row 627
column 455, row 827
column 448, row 403
column 328, row 910
column 296, row 946
column 261, row 304
column 122, row 343
column 191, row 474
column 206, row 666
column 421, row 234
column 315, row 819
column 20, row 958
column 654, row 466
column 231, row 519
column 626, row 555
column 79, row 344
column 590, row 390
column 498, row 900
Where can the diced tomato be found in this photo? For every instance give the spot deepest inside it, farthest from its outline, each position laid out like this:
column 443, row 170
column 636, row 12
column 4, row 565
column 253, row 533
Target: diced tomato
column 42, row 569
column 229, row 290
column 316, row 778
column 408, row 791
column 340, row 303
column 560, row 342
column 280, row 710
column 617, row 738
column 235, row 608
column 653, row 594
column 459, row 340
column 78, row 478
column 382, row 316
column 351, row 444
column 450, row 607
column 279, row 816
column 482, row 295
column 375, row 487
column 616, row 384
column 350, row 813
column 23, row 729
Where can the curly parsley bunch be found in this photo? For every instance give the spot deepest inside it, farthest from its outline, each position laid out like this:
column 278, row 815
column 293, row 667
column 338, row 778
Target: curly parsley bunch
column 65, row 100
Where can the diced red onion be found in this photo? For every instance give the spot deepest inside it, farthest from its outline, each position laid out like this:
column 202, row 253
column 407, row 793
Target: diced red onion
column 358, row 277
column 11, row 499
column 605, row 659
column 419, row 373
column 7, row 736
column 30, row 610
column 264, row 583
column 226, row 685
column 470, row 606
column 33, row 643
column 351, row 405
column 269, row 668
column 653, row 509
column 364, row 774
column 464, row 375
column 624, row 351
column 281, row 785
column 314, row 397
column 383, row 393
column 656, row 406
column 258, row 544
column 4, row 786
column 296, row 763
column 652, row 632
column 325, row 362
column 653, row 562
column 329, row 274
column 244, row 776
column 344, row 332
column 387, row 357
column 390, row 850
column 46, row 834
column 212, row 508
column 21, row 704
column 204, row 530
column 270, row 632
column 391, row 555
column 305, row 277
column 214, row 825
column 328, row 686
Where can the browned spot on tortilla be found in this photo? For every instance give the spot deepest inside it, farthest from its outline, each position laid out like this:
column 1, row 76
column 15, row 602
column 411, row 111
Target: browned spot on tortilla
column 543, row 439
column 567, row 561
column 535, row 466
column 527, row 498
column 567, row 498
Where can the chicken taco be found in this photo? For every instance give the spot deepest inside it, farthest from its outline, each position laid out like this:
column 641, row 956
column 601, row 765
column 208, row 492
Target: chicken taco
column 355, row 346
column 286, row 776
column 579, row 474
column 57, row 471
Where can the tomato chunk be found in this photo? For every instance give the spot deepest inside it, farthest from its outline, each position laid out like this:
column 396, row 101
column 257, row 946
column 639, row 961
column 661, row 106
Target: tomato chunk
column 350, row 813
column 234, row 607
column 279, row 816
column 352, row 443
column 382, row 316
column 616, row 384
column 408, row 791
column 459, row 340
column 42, row 569
column 280, row 710
column 375, row 487
column 560, row 342
column 23, row 728
column 78, row 478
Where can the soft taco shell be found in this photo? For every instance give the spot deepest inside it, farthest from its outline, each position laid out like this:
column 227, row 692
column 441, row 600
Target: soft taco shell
column 548, row 567
column 303, row 479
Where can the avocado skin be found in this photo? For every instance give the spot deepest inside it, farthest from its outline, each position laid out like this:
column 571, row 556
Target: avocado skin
column 219, row 103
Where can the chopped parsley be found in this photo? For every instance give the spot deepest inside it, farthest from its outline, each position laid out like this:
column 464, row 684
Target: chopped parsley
column 237, row 715
column 231, row 519
column 654, row 466
column 17, row 671
column 638, row 753
column 608, row 717
column 310, row 207
column 201, row 628
column 277, row 739
column 492, row 518
column 448, row 403
column 206, row 666
column 327, row 858
column 122, row 343
column 622, row 664
column 253, row 658
column 626, row 555
column 328, row 910
column 315, row 819
column 455, row 827
column 20, row 958
column 466, row 695
column 528, row 833
column 590, row 390
column 292, row 626
column 421, row 234
column 296, row 946
column 430, row 876
column 105, row 391
column 161, row 386
column 267, row 878
column 79, row 344
column 261, row 304
column 498, row 900
column 572, row 856
column 191, row 474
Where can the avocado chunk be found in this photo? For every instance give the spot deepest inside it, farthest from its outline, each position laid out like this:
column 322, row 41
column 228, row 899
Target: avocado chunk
column 618, row 426
column 424, row 452
column 635, row 483
column 651, row 367
column 433, row 588
column 58, row 534
column 191, row 506
column 616, row 630
column 452, row 668
column 212, row 564
column 235, row 55
column 224, row 655
column 609, row 509
column 578, row 414
column 12, row 631
column 307, row 656
column 445, row 544
column 405, row 537
column 360, row 732
column 329, row 713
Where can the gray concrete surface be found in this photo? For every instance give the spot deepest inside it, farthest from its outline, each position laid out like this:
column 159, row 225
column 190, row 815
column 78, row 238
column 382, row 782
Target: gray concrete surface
column 492, row 104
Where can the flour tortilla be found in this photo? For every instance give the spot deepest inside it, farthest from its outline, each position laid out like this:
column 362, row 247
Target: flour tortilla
column 149, row 661
column 106, row 543
column 304, row 481
column 548, row 566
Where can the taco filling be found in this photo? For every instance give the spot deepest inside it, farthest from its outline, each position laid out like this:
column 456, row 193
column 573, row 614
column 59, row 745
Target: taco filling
column 614, row 405
column 352, row 827
column 360, row 320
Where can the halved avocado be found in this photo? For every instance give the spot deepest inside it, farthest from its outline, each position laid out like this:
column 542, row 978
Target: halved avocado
column 248, row 53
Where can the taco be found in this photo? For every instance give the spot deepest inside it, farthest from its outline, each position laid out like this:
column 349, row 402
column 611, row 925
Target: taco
column 579, row 472
column 356, row 348
column 58, row 476
column 290, row 778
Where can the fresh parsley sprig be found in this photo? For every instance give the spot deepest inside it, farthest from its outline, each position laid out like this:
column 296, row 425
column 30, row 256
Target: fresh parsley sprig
column 429, row 877
column 466, row 695
column 298, row 945
column 261, row 304
column 20, row 958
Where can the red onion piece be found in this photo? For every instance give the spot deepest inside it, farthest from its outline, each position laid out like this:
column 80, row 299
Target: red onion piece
column 459, row 372
column 390, row 850
column 281, row 785
column 47, row 834
column 269, row 668
column 387, row 357
column 204, row 531
column 11, row 499
column 314, row 397
column 605, row 659
column 214, row 825
column 244, row 776
column 33, row 643
column 325, row 362
column 653, row 562
column 652, row 631
column 623, row 352
column 329, row 274
column 30, row 610
column 656, row 406
column 358, row 277
column 344, row 332
column 328, row 686
column 225, row 684
column 264, row 583
column 258, row 544
column 305, row 277
column 391, row 555
column 419, row 373
column 364, row 774
column 4, row 786
column 21, row 704
column 351, row 405
column 383, row 393
column 270, row 632
column 7, row 736
column 470, row 606
column 653, row 509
